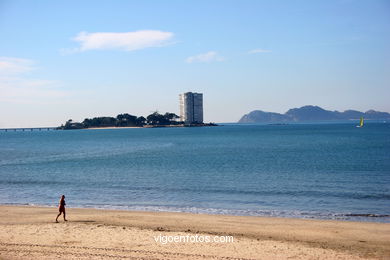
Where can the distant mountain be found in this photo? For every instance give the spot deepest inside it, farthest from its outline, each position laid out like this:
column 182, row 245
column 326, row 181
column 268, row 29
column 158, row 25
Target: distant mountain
column 259, row 116
column 310, row 113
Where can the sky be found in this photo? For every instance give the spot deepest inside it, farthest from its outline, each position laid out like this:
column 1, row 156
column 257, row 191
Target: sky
column 63, row 60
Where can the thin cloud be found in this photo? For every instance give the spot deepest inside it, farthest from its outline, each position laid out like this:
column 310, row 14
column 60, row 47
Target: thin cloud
column 10, row 65
column 126, row 41
column 259, row 51
column 205, row 57
column 16, row 87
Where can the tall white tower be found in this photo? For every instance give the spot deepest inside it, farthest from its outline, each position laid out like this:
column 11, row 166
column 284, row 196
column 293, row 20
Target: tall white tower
column 191, row 107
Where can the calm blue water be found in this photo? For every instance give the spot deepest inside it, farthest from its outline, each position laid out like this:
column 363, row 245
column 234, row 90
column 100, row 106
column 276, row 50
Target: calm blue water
column 326, row 171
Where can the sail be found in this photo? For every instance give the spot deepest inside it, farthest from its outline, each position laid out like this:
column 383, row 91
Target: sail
column 361, row 122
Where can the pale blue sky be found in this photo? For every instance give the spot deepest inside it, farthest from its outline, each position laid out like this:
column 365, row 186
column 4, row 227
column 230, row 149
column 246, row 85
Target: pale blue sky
column 138, row 56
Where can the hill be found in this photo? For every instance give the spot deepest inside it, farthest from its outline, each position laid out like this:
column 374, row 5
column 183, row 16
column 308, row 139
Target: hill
column 310, row 113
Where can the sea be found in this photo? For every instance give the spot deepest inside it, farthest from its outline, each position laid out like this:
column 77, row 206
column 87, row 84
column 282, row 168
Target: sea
column 312, row 170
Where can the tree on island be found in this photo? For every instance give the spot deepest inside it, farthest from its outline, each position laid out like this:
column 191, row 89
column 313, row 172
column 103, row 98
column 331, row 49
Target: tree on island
column 171, row 116
column 100, row 122
column 124, row 120
column 159, row 119
column 156, row 119
column 72, row 125
column 141, row 121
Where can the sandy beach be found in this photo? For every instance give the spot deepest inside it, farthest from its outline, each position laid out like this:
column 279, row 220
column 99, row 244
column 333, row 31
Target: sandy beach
column 129, row 127
column 112, row 127
column 31, row 233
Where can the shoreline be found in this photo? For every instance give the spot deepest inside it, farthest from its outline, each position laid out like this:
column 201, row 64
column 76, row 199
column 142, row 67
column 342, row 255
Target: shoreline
column 344, row 217
column 108, row 127
column 22, row 226
column 146, row 126
column 128, row 127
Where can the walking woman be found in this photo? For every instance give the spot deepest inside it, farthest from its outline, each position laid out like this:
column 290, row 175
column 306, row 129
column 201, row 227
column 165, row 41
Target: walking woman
column 61, row 208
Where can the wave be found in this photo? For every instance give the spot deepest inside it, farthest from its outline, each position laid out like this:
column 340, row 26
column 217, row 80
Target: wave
column 368, row 215
column 32, row 182
column 259, row 193
column 290, row 193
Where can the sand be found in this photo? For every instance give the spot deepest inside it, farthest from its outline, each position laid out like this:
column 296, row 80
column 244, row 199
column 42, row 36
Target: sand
column 111, row 127
column 31, row 233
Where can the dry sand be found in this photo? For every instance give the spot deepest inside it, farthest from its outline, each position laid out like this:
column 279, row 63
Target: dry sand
column 111, row 127
column 30, row 233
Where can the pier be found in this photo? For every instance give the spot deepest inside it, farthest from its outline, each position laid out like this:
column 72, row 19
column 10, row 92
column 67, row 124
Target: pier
column 28, row 129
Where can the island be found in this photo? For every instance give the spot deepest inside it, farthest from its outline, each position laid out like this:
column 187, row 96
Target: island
column 127, row 120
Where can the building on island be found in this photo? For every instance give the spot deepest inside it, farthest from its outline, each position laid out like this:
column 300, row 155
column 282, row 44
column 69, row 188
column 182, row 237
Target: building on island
column 191, row 108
